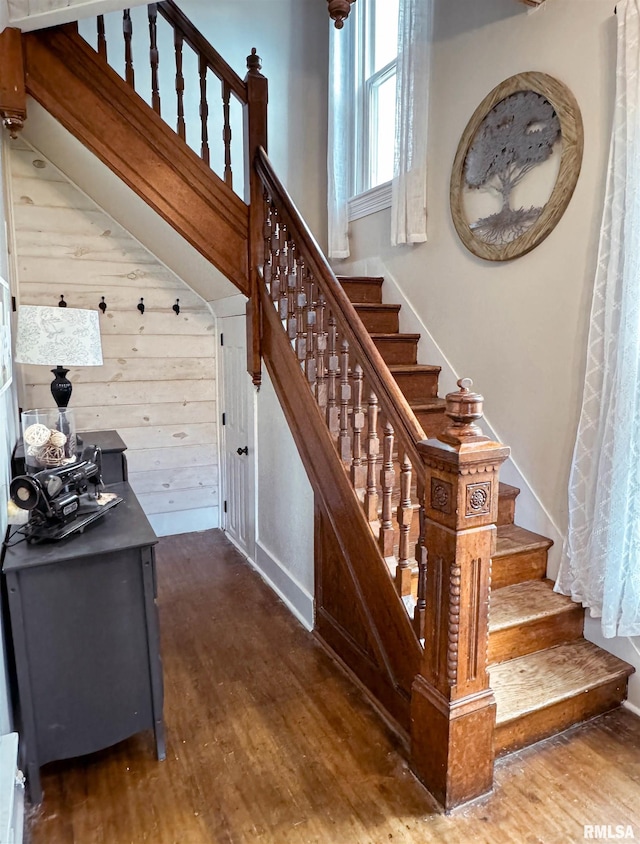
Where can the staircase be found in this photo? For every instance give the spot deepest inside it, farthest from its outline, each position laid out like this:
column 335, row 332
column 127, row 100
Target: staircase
column 546, row 677
column 406, row 488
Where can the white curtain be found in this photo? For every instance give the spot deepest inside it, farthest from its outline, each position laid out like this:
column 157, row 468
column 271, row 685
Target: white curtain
column 340, row 144
column 409, row 188
column 601, row 556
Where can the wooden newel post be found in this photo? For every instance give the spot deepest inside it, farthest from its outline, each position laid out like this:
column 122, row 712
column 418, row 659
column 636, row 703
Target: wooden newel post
column 255, row 136
column 452, row 705
column 13, row 96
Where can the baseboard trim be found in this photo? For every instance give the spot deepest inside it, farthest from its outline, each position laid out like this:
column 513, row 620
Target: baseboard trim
column 631, row 707
column 185, row 521
column 295, row 596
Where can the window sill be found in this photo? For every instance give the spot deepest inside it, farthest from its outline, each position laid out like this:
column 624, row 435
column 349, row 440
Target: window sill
column 370, row 201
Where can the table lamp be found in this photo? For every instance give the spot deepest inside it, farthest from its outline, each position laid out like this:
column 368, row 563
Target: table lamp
column 62, row 336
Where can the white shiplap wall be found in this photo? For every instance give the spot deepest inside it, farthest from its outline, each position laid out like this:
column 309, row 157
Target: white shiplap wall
column 157, row 385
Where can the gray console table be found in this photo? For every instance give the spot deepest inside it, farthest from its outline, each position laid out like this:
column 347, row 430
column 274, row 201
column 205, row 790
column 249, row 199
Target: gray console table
column 86, row 647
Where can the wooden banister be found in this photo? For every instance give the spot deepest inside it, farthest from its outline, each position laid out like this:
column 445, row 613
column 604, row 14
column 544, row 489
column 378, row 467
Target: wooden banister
column 196, row 40
column 391, row 399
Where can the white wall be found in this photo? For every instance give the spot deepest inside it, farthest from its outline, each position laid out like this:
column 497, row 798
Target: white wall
column 519, row 328
column 157, row 386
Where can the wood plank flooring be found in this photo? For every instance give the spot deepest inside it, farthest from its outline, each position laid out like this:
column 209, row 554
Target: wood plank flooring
column 269, row 742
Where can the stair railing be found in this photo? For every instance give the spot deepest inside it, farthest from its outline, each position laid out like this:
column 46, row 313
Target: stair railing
column 251, row 93
column 372, row 425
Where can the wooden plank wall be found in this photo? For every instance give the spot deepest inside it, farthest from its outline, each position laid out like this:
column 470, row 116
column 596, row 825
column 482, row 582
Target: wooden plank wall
column 157, row 385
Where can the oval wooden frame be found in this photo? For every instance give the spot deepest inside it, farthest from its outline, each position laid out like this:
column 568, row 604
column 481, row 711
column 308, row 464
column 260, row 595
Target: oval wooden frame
column 572, row 133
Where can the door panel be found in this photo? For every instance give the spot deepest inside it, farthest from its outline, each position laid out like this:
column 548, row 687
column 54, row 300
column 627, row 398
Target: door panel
column 238, row 436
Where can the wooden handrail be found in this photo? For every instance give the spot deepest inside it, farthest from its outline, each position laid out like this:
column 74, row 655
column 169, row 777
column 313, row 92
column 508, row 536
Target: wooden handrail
column 395, row 406
column 196, row 40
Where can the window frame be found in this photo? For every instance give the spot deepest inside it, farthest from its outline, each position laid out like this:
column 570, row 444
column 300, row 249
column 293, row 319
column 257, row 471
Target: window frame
column 365, row 199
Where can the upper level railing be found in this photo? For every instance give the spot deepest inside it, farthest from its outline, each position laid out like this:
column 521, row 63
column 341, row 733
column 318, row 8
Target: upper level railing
column 176, row 73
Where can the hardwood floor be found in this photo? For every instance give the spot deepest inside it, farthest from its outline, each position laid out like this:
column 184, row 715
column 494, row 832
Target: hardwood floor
column 268, row 741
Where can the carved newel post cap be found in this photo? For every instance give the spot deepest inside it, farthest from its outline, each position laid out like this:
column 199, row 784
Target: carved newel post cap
column 463, row 408
column 254, row 62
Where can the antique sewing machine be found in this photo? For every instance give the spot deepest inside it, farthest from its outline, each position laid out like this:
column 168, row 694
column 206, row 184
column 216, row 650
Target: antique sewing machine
column 63, row 500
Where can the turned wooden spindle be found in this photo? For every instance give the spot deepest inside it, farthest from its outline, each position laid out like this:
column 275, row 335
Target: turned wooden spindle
column 311, row 323
column 267, row 266
column 344, row 446
column 204, row 109
column 373, row 450
column 452, row 705
column 301, row 303
column 127, row 31
column 358, row 463
column 333, row 417
column 321, row 349
column 178, row 42
column 387, row 483
column 421, row 559
column 289, row 309
column 404, row 518
column 154, row 56
column 226, row 133
column 102, row 38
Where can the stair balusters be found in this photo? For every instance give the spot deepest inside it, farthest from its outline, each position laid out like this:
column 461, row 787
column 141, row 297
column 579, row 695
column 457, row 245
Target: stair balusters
column 127, row 31
column 226, row 132
column 208, row 60
column 102, row 40
column 178, row 44
column 152, row 10
column 387, row 483
column 204, row 109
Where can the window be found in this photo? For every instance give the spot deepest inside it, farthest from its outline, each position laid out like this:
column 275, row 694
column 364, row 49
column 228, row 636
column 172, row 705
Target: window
column 376, row 51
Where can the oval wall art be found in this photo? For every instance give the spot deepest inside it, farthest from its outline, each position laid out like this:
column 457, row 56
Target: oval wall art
column 516, row 166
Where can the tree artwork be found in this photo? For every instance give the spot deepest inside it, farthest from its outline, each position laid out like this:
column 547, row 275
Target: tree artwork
column 517, row 135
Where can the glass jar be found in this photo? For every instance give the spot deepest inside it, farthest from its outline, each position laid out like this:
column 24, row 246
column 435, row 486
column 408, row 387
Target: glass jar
column 49, row 438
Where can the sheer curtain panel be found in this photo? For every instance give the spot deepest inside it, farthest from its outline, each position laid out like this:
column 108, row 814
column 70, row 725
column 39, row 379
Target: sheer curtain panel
column 601, row 555
column 409, row 188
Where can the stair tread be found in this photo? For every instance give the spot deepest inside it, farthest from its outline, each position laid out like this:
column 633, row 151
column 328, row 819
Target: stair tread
column 428, row 404
column 402, row 368
column 508, row 490
column 520, row 603
column 375, row 306
column 513, row 539
column 541, row 679
column 363, row 279
column 396, row 335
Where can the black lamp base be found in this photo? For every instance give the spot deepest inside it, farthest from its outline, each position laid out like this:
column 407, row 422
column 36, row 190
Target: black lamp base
column 61, row 387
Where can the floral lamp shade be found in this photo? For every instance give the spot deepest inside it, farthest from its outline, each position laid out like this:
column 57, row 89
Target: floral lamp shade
column 57, row 336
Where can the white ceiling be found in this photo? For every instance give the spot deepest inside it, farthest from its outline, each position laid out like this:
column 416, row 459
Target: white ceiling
column 37, row 14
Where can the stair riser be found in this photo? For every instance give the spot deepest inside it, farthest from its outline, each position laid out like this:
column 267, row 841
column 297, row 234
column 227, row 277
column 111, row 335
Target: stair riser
column 536, row 635
column 516, row 568
column 433, row 422
column 397, row 350
column 379, row 322
column 543, row 723
column 506, row 509
column 417, row 386
column 358, row 291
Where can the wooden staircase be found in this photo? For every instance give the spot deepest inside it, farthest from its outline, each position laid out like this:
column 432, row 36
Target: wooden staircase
column 387, row 500
column 546, row 677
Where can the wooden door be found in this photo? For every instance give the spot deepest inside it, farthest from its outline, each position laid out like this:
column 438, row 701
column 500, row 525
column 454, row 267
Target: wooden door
column 238, row 436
